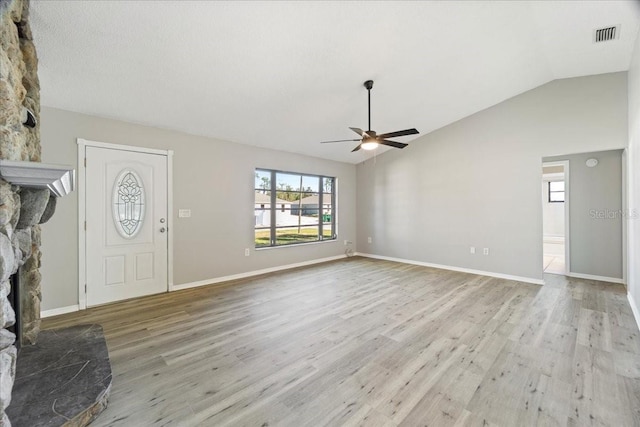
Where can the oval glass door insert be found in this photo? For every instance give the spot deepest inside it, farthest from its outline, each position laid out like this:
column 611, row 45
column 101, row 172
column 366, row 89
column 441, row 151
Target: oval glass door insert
column 128, row 203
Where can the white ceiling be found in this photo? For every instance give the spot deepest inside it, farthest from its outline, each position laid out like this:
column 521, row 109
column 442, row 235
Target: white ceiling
column 286, row 75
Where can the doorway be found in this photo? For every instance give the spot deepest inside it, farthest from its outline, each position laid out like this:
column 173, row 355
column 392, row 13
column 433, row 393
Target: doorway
column 125, row 201
column 555, row 217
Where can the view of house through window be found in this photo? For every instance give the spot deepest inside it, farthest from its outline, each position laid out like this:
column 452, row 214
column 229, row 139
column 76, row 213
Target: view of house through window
column 293, row 208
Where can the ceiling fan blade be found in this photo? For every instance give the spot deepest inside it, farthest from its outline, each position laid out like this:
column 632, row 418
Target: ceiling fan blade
column 357, row 148
column 358, row 131
column 392, row 143
column 339, row 140
column 399, row 133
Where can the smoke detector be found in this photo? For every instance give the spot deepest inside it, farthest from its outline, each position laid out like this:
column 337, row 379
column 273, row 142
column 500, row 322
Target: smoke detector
column 607, row 33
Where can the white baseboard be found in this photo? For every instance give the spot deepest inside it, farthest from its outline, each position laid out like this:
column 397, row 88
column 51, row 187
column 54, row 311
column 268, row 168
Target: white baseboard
column 252, row 273
column 599, row 278
column 634, row 308
column 460, row 269
column 59, row 311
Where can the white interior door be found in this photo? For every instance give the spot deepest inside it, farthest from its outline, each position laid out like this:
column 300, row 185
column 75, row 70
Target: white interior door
column 126, row 214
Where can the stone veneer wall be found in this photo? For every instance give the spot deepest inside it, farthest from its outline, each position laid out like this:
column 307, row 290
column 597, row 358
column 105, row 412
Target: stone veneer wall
column 21, row 210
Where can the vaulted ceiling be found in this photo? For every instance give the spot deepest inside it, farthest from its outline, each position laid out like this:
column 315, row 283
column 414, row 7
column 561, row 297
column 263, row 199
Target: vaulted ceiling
column 286, row 75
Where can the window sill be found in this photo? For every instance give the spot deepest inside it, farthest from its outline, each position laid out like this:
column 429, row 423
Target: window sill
column 296, row 245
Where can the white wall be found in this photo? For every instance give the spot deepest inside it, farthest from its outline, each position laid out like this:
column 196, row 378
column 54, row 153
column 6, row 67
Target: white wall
column 633, row 196
column 213, row 178
column 476, row 182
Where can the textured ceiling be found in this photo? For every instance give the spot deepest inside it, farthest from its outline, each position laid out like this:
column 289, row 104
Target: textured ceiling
column 286, row 75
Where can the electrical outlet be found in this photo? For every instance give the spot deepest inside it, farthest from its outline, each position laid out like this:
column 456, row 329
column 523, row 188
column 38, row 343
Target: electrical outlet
column 485, row 251
column 369, row 240
column 247, row 252
column 472, row 249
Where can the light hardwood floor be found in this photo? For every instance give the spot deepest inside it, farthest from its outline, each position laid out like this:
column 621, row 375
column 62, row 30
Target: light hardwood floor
column 373, row 343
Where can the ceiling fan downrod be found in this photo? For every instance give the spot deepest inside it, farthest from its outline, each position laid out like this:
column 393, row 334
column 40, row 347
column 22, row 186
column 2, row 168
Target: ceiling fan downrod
column 369, row 84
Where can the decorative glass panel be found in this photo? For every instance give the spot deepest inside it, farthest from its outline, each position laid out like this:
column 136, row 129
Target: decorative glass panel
column 128, row 203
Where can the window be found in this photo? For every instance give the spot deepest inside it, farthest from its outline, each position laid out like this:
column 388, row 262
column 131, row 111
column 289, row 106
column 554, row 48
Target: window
column 293, row 208
column 556, row 191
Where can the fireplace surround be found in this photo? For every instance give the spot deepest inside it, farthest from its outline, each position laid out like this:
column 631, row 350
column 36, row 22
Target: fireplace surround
column 39, row 187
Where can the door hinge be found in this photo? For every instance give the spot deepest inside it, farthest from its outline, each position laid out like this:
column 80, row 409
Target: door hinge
column 85, row 226
column 85, row 288
column 85, row 162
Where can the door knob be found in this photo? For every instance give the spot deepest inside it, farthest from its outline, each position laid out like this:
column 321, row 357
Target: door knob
column 162, row 230
column 161, row 220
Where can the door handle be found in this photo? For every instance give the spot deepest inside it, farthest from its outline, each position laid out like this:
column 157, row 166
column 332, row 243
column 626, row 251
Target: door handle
column 162, row 230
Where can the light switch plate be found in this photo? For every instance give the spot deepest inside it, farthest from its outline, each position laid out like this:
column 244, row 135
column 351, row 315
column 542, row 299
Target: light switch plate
column 184, row 213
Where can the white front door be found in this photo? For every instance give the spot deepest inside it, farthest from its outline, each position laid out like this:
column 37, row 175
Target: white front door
column 126, row 213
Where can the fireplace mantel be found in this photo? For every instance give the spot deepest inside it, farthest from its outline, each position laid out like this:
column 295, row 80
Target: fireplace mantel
column 59, row 179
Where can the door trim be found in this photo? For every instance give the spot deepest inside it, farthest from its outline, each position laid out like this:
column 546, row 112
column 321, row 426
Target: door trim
column 567, row 217
column 81, row 181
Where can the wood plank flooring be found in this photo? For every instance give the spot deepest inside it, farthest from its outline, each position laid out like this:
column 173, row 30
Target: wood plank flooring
column 362, row 342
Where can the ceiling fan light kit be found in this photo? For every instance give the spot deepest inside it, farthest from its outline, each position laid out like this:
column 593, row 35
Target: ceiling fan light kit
column 370, row 145
column 370, row 140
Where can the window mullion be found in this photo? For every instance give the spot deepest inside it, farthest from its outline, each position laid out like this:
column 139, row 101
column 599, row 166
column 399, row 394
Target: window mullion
column 333, row 208
column 320, row 209
column 272, row 232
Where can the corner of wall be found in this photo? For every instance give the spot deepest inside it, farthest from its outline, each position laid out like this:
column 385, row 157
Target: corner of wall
column 633, row 179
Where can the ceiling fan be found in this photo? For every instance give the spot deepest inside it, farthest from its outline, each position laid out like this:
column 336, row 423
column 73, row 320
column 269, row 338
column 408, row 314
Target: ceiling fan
column 369, row 140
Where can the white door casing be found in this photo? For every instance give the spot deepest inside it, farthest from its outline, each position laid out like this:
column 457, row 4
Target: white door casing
column 567, row 217
column 125, row 259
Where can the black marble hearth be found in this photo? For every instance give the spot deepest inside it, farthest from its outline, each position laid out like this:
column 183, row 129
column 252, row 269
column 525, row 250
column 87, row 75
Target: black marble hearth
column 62, row 380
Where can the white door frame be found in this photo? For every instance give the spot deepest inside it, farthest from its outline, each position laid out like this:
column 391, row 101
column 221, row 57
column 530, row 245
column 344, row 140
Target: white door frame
column 626, row 195
column 567, row 230
column 82, row 234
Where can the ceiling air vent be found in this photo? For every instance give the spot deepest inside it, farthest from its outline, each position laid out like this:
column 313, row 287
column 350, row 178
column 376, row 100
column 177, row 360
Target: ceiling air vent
column 606, row 34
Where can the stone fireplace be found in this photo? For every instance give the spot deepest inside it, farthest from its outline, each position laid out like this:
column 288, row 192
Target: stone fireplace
column 24, row 204
column 19, row 238
column 19, row 276
column 59, row 376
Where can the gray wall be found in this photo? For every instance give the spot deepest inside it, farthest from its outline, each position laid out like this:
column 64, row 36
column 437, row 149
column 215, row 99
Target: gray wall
column 476, row 182
column 213, row 178
column 633, row 169
column 595, row 213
